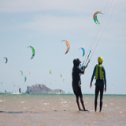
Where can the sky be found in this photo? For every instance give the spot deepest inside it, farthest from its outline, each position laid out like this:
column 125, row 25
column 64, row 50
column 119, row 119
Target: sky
column 43, row 24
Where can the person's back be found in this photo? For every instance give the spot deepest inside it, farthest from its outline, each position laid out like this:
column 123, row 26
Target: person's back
column 100, row 85
column 76, row 75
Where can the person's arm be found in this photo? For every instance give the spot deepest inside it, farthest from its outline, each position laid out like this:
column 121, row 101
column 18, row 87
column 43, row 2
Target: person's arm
column 82, row 70
column 105, row 88
column 92, row 76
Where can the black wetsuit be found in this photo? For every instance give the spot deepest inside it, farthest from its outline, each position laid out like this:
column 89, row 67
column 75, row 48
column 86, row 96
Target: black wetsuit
column 76, row 80
column 99, row 86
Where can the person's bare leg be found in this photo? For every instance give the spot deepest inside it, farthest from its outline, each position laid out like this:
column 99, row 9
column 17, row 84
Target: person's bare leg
column 82, row 103
column 77, row 101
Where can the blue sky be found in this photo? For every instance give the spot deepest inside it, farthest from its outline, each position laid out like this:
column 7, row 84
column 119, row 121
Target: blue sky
column 44, row 24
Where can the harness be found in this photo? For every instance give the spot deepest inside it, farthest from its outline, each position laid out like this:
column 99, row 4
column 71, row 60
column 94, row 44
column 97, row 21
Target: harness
column 99, row 72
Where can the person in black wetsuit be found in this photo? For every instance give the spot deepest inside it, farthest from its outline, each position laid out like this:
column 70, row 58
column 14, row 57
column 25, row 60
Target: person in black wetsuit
column 76, row 83
column 100, row 84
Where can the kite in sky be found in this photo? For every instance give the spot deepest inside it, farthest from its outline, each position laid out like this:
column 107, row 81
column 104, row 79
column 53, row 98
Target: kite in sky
column 6, row 59
column 95, row 17
column 83, row 51
column 50, row 72
column 25, row 79
column 61, row 75
column 33, row 51
column 67, row 45
column 21, row 72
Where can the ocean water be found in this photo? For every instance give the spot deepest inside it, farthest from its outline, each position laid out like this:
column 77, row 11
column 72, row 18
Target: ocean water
column 60, row 110
column 48, row 102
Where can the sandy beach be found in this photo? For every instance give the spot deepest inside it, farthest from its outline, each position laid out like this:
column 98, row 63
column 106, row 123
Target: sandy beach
column 60, row 110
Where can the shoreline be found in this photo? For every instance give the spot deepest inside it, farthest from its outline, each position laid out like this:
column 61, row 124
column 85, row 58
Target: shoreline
column 52, row 94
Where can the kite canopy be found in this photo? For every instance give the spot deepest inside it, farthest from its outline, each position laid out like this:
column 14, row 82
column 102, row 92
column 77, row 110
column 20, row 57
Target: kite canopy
column 33, row 51
column 21, row 72
column 67, row 45
column 6, row 59
column 61, row 75
column 25, row 79
column 95, row 18
column 50, row 72
column 83, row 51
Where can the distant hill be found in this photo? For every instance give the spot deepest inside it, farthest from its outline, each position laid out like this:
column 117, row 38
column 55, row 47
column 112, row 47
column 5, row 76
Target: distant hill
column 42, row 89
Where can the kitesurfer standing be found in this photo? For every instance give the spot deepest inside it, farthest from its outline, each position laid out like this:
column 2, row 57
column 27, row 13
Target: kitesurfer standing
column 100, row 84
column 76, row 83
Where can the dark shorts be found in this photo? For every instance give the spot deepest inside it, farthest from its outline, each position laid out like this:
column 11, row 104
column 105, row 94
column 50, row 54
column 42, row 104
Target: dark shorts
column 77, row 91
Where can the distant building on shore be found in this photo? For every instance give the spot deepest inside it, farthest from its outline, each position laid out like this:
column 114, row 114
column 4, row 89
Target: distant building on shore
column 42, row 89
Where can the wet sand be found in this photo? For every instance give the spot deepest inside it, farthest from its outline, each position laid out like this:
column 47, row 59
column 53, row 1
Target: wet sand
column 60, row 110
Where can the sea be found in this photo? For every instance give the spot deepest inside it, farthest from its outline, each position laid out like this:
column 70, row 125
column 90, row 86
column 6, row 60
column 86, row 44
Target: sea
column 60, row 110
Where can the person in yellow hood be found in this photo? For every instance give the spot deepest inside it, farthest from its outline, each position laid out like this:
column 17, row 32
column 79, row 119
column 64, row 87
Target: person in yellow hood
column 100, row 84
